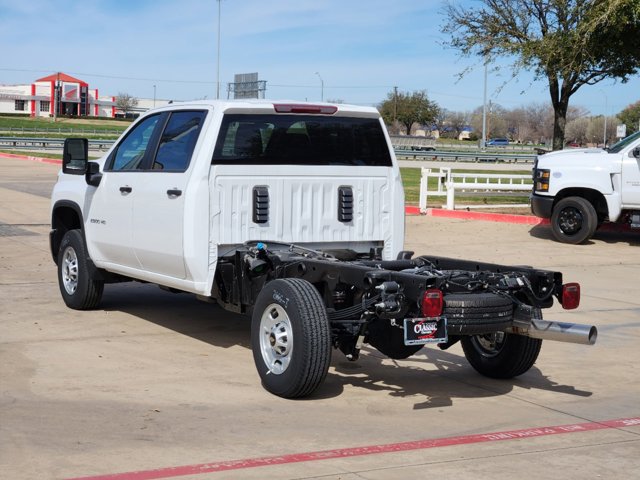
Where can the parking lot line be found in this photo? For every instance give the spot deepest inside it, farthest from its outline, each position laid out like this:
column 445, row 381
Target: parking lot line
column 215, row 467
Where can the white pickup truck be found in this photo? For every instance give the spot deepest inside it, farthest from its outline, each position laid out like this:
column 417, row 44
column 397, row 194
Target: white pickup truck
column 580, row 189
column 293, row 214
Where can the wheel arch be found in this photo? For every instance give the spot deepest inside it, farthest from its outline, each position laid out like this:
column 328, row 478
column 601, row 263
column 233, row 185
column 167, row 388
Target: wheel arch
column 594, row 197
column 65, row 216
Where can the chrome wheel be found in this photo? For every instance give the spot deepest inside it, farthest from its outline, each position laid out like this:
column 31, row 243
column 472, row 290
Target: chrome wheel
column 69, row 270
column 276, row 339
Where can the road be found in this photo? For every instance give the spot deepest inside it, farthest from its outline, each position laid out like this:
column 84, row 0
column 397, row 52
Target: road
column 160, row 385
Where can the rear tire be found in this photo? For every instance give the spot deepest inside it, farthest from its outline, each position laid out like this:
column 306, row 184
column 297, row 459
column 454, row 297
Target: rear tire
column 501, row 355
column 290, row 338
column 574, row 220
column 79, row 291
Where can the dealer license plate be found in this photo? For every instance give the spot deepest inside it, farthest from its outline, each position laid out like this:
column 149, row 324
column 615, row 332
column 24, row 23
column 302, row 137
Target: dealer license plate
column 419, row 331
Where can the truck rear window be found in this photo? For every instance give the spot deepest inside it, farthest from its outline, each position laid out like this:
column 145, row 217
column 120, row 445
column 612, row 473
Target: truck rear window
column 274, row 139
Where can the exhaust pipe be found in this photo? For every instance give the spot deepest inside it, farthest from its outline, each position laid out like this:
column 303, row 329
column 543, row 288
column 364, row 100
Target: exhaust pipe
column 558, row 331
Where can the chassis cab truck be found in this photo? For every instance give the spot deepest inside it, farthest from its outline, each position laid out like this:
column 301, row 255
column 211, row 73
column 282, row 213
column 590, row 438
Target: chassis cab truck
column 579, row 190
column 292, row 214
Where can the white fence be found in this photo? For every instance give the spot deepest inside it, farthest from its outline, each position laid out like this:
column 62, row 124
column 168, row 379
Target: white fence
column 450, row 182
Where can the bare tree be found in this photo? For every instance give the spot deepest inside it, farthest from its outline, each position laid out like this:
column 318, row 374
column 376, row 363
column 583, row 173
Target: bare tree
column 125, row 102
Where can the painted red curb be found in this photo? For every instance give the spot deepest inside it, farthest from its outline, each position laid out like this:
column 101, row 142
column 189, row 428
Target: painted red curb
column 411, row 210
column 366, row 450
column 31, row 158
column 487, row 217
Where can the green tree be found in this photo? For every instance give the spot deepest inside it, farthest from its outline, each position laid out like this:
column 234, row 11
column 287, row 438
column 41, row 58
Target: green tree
column 630, row 116
column 408, row 108
column 569, row 43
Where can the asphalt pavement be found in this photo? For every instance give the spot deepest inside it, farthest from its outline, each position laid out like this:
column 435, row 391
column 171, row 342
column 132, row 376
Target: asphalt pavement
column 159, row 385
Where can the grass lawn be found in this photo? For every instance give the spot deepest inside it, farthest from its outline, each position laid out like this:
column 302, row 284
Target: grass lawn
column 411, row 183
column 79, row 124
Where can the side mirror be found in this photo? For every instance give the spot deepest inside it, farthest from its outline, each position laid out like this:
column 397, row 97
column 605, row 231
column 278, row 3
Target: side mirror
column 93, row 175
column 75, row 155
column 636, row 152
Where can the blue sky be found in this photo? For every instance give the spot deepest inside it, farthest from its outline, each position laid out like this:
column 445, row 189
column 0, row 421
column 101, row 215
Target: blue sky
column 360, row 48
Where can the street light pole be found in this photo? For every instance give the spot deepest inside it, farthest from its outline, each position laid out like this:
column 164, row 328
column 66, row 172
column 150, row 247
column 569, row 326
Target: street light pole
column 218, row 58
column 483, row 142
column 154, row 96
column 604, row 136
column 321, row 87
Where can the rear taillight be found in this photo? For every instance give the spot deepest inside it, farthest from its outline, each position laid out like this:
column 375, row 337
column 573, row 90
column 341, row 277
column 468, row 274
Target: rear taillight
column 432, row 303
column 570, row 296
column 309, row 109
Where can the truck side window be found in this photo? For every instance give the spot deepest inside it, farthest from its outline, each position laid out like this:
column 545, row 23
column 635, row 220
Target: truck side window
column 131, row 151
column 178, row 141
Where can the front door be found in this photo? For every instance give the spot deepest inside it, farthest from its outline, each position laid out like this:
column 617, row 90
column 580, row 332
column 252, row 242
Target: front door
column 109, row 222
column 630, row 181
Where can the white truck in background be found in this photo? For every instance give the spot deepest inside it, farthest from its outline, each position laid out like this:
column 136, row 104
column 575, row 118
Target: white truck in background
column 292, row 214
column 580, row 189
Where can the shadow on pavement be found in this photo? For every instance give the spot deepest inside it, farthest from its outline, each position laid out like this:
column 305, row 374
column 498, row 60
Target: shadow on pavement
column 452, row 377
column 613, row 234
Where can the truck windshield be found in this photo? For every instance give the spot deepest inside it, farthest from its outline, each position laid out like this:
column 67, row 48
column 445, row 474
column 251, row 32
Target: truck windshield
column 622, row 144
column 276, row 139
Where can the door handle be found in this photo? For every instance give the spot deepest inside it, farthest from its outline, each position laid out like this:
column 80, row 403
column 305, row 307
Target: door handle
column 125, row 189
column 174, row 192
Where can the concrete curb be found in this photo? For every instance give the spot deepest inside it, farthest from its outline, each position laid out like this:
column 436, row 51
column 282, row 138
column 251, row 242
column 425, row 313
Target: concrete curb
column 31, row 158
column 487, row 217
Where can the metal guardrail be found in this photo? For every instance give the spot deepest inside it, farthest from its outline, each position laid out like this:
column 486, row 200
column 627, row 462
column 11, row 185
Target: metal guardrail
column 477, row 156
column 104, row 144
column 72, row 131
column 48, row 143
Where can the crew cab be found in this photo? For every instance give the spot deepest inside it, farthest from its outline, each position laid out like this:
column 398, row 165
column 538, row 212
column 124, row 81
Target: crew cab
column 581, row 189
column 292, row 214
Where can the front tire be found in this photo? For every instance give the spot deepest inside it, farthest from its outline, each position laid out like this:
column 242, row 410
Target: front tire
column 79, row 291
column 290, row 338
column 574, row 220
column 501, row 355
